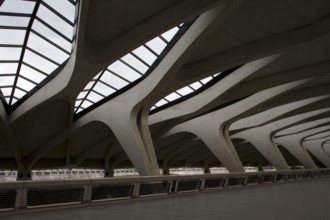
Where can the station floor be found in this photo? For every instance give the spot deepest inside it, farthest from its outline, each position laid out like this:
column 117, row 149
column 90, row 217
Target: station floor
column 309, row 199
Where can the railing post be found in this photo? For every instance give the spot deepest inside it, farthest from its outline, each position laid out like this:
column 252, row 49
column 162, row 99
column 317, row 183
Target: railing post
column 176, row 186
column 136, row 189
column 21, row 198
column 171, row 186
column 87, row 197
column 245, row 182
column 274, row 178
column 202, row 186
column 286, row 176
column 226, row 182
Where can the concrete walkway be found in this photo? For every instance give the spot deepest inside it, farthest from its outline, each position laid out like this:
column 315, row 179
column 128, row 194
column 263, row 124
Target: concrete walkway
column 297, row 200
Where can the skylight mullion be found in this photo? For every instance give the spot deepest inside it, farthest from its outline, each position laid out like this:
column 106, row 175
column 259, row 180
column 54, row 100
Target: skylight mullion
column 53, row 29
column 27, row 79
column 89, row 91
column 13, row 14
column 8, row 74
column 161, row 103
column 11, row 45
column 178, row 94
column 13, row 27
column 163, row 39
column 13, row 97
column 17, row 87
column 87, row 99
column 191, row 88
column 137, row 57
column 6, row 87
column 43, row 56
column 36, row 69
column 79, row 106
column 98, row 92
column 105, row 83
column 8, row 61
column 118, row 76
column 151, row 50
column 51, row 42
column 27, row 34
column 72, row 2
column 132, row 67
column 57, row 13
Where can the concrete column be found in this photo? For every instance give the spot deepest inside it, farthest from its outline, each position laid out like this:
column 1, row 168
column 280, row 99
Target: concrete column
column 212, row 128
column 23, row 175
column 262, row 137
column 127, row 114
column 108, row 173
column 206, row 167
column 263, row 141
column 293, row 143
column 166, row 170
column 316, row 148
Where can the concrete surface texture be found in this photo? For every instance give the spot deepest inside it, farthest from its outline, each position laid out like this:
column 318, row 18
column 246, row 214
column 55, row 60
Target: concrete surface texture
column 272, row 59
column 303, row 200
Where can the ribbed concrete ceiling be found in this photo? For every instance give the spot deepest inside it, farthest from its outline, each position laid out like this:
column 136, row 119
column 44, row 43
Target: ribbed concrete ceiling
column 281, row 46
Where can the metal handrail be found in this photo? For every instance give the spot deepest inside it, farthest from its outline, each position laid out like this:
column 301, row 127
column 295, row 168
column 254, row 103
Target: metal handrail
column 169, row 184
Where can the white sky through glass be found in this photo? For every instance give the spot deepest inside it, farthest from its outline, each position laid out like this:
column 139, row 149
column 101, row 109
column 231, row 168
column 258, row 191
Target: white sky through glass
column 47, row 47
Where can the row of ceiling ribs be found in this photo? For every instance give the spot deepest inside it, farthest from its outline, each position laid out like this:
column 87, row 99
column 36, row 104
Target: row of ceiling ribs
column 271, row 110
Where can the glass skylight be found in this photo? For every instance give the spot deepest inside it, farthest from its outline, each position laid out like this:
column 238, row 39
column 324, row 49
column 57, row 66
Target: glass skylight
column 124, row 71
column 36, row 39
column 184, row 91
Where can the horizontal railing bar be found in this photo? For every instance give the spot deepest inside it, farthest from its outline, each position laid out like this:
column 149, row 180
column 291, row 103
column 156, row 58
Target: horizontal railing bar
column 157, row 186
column 141, row 179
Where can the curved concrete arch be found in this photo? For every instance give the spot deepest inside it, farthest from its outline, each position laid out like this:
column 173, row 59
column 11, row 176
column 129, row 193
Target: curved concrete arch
column 270, row 114
column 84, row 155
column 127, row 114
column 262, row 137
column 212, row 128
column 53, row 142
column 302, row 127
column 185, row 157
column 171, row 145
column 326, row 148
column 263, row 82
column 315, row 147
column 294, row 144
column 61, row 86
column 255, row 50
column 206, row 99
column 14, row 145
column 184, row 147
column 320, row 135
column 42, row 131
column 196, row 157
column 98, row 52
column 180, row 152
column 252, row 154
column 79, row 70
